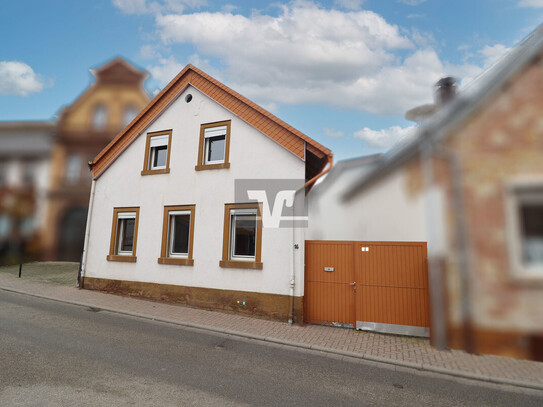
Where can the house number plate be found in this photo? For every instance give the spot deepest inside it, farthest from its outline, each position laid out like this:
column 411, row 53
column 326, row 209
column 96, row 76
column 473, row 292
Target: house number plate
column 328, row 269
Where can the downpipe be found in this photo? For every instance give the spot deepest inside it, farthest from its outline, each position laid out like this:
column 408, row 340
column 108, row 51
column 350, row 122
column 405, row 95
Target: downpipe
column 87, row 234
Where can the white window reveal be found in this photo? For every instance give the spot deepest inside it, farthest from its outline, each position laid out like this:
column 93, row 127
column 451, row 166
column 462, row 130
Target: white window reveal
column 243, row 225
column 158, row 151
column 126, row 224
column 525, row 221
column 179, row 234
column 215, row 145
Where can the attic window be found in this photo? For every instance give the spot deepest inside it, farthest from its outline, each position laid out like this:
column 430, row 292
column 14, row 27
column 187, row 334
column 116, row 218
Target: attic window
column 214, row 146
column 188, row 98
column 157, row 153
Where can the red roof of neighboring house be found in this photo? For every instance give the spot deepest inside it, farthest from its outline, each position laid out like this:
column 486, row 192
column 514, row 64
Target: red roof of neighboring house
column 261, row 119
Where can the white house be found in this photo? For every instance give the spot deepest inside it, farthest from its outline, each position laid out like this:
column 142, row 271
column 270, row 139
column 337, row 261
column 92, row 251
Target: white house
column 164, row 221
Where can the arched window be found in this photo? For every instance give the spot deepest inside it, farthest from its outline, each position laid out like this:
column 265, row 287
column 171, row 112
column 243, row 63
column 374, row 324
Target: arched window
column 99, row 118
column 128, row 115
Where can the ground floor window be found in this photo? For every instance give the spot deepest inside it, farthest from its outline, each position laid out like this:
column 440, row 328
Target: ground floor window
column 124, row 234
column 242, row 238
column 177, row 235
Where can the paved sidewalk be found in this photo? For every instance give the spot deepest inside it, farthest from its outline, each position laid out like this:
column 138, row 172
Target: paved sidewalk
column 396, row 350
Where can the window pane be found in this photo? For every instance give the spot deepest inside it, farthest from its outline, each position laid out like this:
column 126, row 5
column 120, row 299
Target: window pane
column 244, row 227
column 160, row 155
column 127, row 234
column 99, row 119
column 532, row 233
column 180, row 229
column 215, row 148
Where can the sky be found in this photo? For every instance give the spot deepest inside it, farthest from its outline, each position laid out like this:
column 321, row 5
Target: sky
column 344, row 72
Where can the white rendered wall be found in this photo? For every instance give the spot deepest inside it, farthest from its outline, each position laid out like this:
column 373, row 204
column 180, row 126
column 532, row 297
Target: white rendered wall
column 252, row 155
column 383, row 212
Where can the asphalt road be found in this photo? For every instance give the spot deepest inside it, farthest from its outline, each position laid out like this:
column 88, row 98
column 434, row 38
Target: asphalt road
column 54, row 354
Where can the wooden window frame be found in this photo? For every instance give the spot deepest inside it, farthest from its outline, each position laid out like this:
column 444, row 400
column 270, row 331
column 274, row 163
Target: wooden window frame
column 146, row 160
column 113, row 255
column 164, row 257
column 201, row 149
column 227, row 261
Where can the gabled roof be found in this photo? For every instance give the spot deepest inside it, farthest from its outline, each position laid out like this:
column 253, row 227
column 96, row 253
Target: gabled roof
column 116, row 71
column 279, row 131
column 459, row 109
column 119, row 70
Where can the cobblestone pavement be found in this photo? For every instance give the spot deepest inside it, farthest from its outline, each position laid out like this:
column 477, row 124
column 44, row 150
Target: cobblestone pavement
column 397, row 350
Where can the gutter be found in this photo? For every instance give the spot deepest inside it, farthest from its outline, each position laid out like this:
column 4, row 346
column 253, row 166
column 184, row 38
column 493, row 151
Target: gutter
column 308, row 185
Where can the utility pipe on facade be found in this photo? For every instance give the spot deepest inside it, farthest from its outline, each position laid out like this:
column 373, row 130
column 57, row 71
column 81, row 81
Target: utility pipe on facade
column 461, row 242
column 307, row 185
column 87, row 234
column 435, row 270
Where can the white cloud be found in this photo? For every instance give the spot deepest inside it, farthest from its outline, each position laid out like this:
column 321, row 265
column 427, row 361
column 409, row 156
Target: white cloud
column 18, row 78
column 305, row 54
column 131, row 6
column 156, row 7
column 412, row 2
column 386, row 138
column 531, row 3
column 333, row 133
column 165, row 70
column 349, row 4
column 493, row 53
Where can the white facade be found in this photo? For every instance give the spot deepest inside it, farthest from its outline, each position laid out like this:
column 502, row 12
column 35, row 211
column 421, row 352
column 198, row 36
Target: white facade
column 253, row 155
column 385, row 211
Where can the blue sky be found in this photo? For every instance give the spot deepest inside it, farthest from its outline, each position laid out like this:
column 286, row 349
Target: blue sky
column 342, row 71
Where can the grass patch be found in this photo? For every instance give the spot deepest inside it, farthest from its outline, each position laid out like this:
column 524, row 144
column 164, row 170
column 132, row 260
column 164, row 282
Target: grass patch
column 56, row 272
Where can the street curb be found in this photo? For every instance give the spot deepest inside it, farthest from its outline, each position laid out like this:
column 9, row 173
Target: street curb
column 400, row 363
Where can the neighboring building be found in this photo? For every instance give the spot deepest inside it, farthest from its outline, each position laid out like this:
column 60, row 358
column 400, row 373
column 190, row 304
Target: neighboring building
column 330, row 218
column 164, row 221
column 24, row 178
column 471, row 185
column 84, row 129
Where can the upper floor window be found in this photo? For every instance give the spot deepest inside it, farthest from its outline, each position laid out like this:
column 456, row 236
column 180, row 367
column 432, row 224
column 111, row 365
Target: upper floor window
column 99, row 117
column 73, row 168
column 157, row 153
column 214, row 146
column 29, row 173
column 129, row 114
column 525, row 222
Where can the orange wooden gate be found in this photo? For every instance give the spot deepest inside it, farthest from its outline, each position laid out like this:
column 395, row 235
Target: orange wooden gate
column 377, row 286
column 329, row 295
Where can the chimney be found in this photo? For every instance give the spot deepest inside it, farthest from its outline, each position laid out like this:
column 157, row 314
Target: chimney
column 445, row 90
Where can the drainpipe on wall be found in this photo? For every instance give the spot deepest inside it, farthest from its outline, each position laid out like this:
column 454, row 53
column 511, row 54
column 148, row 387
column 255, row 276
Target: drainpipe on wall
column 435, row 270
column 461, row 237
column 87, row 234
column 295, row 246
column 293, row 277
